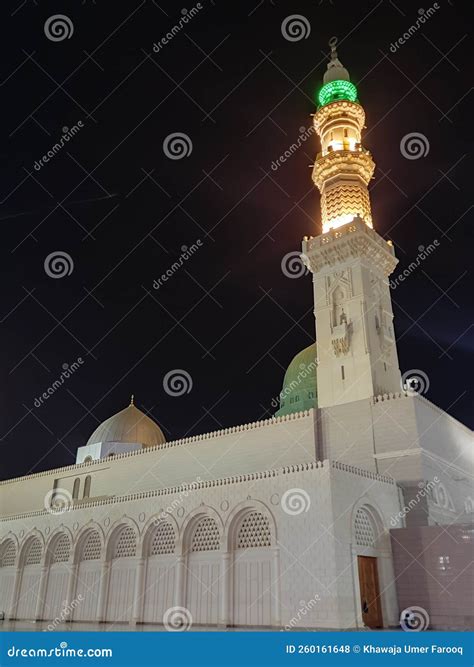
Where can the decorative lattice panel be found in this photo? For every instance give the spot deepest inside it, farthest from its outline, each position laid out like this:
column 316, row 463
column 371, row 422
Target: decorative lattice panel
column 92, row 547
column 254, row 531
column 163, row 540
column 8, row 554
column 61, row 550
column 364, row 529
column 345, row 199
column 206, row 536
column 33, row 555
column 126, row 544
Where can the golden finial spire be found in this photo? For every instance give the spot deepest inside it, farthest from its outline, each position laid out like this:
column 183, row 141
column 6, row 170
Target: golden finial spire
column 132, row 398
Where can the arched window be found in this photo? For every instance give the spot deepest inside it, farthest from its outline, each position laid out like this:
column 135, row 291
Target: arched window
column 88, row 459
column 62, row 550
column 91, row 549
column 365, row 532
column 126, row 544
column 87, row 487
column 34, row 552
column 206, row 536
column 254, row 531
column 75, row 488
column 7, row 554
column 163, row 540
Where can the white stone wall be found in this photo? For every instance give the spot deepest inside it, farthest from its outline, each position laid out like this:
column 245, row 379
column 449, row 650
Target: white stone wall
column 243, row 449
column 292, row 580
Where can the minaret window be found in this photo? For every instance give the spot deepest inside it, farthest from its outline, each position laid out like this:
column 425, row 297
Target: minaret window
column 75, row 488
column 87, row 487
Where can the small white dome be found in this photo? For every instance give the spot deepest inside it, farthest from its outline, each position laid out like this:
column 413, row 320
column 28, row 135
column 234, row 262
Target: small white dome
column 130, row 425
column 336, row 72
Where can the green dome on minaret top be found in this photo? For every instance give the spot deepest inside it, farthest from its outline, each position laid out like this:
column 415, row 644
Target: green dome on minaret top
column 337, row 84
column 299, row 390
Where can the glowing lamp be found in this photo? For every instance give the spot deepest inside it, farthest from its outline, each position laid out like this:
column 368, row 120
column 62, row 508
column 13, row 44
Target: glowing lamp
column 337, row 90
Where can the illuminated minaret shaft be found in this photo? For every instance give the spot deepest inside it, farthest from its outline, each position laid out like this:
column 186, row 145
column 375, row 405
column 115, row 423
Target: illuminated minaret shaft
column 351, row 263
column 343, row 169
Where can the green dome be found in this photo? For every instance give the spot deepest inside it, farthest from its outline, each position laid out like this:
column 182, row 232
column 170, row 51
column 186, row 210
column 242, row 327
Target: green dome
column 299, row 390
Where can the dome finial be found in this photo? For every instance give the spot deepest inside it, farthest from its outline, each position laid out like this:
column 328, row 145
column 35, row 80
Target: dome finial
column 132, row 398
column 335, row 70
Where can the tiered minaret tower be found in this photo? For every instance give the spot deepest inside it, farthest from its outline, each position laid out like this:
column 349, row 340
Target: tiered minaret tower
column 351, row 263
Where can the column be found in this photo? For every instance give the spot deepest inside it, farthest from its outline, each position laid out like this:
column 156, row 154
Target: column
column 138, row 595
column 71, row 589
column 16, row 589
column 276, row 612
column 178, row 590
column 224, row 611
column 104, row 584
column 41, row 592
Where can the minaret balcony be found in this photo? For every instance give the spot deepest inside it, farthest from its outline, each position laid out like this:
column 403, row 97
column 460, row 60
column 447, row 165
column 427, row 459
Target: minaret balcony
column 341, row 162
column 354, row 240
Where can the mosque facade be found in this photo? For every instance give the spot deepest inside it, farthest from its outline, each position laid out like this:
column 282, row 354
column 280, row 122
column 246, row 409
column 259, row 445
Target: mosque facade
column 292, row 522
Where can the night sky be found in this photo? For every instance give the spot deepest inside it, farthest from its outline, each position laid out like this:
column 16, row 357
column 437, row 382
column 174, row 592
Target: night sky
column 122, row 210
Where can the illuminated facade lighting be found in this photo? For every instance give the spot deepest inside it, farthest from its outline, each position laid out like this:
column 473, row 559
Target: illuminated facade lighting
column 337, row 90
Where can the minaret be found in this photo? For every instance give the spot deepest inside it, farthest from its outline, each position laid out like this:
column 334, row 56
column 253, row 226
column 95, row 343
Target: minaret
column 350, row 262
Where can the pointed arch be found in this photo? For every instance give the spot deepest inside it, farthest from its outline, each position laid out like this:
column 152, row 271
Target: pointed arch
column 8, row 551
column 114, row 534
column 192, row 521
column 60, row 541
column 82, row 537
column 33, row 537
column 238, row 515
column 150, row 533
column 366, row 517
